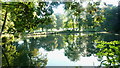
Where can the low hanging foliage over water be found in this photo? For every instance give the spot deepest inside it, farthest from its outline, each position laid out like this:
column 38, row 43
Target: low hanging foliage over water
column 111, row 50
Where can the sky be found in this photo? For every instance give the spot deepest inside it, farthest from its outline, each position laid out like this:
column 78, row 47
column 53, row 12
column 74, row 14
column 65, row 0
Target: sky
column 114, row 2
column 60, row 8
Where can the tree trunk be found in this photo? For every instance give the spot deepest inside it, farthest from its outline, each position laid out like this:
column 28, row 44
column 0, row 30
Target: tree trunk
column 42, row 29
column 73, row 26
column 5, row 57
column 46, row 30
column 51, row 30
column 79, row 26
column 3, row 26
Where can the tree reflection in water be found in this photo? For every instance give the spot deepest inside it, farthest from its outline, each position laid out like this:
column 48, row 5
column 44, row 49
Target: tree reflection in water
column 74, row 45
column 15, row 54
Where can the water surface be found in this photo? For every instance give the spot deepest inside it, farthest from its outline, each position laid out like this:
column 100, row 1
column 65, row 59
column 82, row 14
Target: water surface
column 72, row 49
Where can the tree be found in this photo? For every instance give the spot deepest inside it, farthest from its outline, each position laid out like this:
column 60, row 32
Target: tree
column 25, row 14
column 59, row 21
column 81, row 14
column 111, row 23
column 19, row 14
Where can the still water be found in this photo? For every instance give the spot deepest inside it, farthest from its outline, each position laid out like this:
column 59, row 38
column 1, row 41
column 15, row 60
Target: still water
column 72, row 49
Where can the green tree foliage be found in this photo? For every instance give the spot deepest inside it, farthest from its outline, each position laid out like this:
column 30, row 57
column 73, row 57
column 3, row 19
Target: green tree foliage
column 111, row 23
column 21, row 14
column 51, row 24
column 88, row 17
column 47, row 23
column 111, row 51
column 24, row 15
